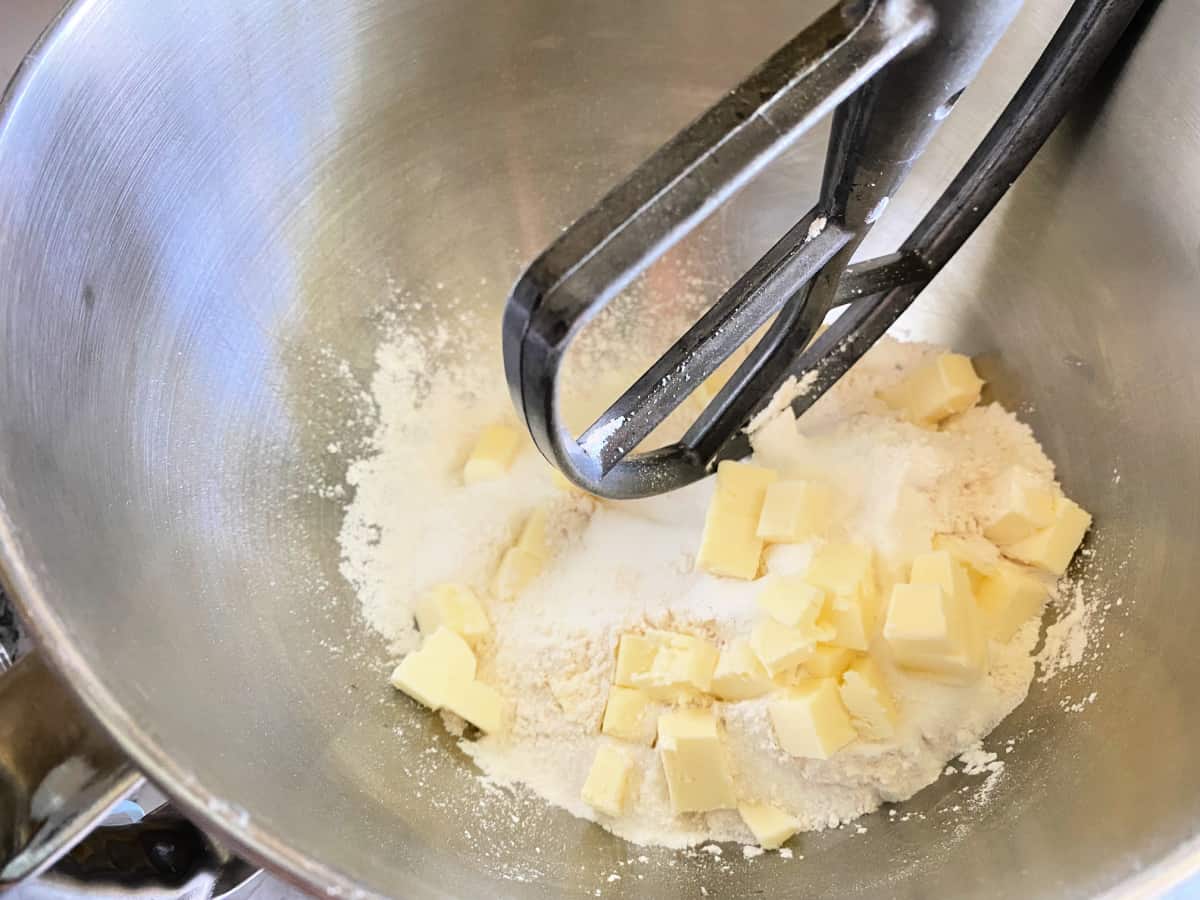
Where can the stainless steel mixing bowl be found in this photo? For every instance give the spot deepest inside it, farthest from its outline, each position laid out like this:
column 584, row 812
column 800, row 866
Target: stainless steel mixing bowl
column 203, row 204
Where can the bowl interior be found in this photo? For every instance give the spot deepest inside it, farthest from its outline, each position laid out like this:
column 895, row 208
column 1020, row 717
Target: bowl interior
column 209, row 218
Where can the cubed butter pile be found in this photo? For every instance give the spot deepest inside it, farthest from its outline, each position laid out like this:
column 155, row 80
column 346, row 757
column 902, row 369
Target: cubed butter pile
column 811, row 656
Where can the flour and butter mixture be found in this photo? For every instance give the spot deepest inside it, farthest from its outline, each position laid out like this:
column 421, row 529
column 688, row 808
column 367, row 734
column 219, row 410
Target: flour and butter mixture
column 816, row 630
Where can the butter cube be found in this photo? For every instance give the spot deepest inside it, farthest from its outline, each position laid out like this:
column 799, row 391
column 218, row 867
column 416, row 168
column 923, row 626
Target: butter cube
column 1052, row 548
column 525, row 560
column 1024, row 505
column 936, row 390
column 480, row 704
column 492, row 455
column 771, row 827
column 940, row 568
column 931, row 631
column 780, row 647
column 694, row 761
column 458, row 608
column 847, row 572
column 791, row 600
column 870, row 702
column 608, row 783
column 516, row 571
column 794, row 511
column 427, row 675
column 739, row 675
column 828, row 661
column 1008, row 599
column 635, row 656
column 625, row 715
column 682, row 665
column 730, row 545
column 979, row 557
column 810, row 719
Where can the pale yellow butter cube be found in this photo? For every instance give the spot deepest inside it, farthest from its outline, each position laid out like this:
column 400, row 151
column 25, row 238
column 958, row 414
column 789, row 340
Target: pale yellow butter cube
column 635, row 655
column 847, row 572
column 525, row 560
column 853, row 622
column 480, row 704
column 1008, row 599
column 978, row 556
column 1024, row 505
column 694, row 761
column 1052, row 548
column 780, row 647
column 517, row 569
column 458, row 608
column 609, row 782
column 770, row 826
column 870, row 702
column 845, row 569
column 795, row 511
column 810, row 719
column 730, row 545
column 930, row 631
column 428, row 674
column 683, row 665
column 791, row 600
column 828, row 661
column 492, row 455
column 940, row 568
column 739, row 675
column 625, row 715
column 936, row 390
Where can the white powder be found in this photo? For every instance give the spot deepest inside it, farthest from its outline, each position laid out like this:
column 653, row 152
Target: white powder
column 412, row 524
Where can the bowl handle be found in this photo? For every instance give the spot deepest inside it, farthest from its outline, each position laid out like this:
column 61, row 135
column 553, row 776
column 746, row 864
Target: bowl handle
column 60, row 775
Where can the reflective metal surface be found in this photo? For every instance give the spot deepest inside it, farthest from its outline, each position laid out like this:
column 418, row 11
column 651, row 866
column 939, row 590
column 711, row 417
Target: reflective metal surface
column 201, row 205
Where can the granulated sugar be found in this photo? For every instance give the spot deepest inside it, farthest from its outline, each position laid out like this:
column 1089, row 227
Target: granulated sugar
column 631, row 565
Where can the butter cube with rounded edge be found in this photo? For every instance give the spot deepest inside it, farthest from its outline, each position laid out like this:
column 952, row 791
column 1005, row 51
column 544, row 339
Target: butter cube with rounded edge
column 1024, row 504
column 1052, row 548
column 936, row 390
column 694, row 761
column 780, row 647
column 525, row 560
column 730, row 545
column 940, row 568
column 683, row 665
column 635, row 655
column 810, row 719
column 791, row 600
column 770, row 826
column 493, row 454
column 1008, row 599
column 739, row 675
column 977, row 555
column 428, row 674
column 625, row 715
column 609, row 781
column 794, row 511
column 480, row 704
column 457, row 607
column 828, row 661
column 870, row 702
column 847, row 572
column 930, row 631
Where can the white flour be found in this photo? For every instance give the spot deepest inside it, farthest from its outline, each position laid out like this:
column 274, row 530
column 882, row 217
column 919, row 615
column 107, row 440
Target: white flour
column 413, row 524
